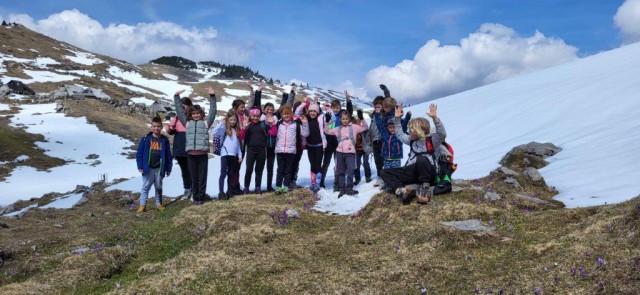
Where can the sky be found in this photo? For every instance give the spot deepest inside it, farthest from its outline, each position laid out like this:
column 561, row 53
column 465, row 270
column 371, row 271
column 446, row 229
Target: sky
column 422, row 49
column 585, row 107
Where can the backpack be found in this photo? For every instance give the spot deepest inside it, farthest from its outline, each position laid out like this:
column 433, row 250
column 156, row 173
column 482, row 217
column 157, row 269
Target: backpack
column 218, row 142
column 351, row 137
column 444, row 165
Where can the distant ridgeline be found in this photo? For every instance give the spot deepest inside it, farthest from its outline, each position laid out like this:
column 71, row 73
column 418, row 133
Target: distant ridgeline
column 227, row 71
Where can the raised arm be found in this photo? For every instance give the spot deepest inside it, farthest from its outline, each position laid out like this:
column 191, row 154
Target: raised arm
column 347, row 97
column 405, row 138
column 386, row 91
column 179, row 108
column 213, row 108
column 292, row 96
column 441, row 133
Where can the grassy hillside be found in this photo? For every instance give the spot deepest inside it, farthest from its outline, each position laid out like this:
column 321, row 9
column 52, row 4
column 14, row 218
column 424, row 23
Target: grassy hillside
column 245, row 246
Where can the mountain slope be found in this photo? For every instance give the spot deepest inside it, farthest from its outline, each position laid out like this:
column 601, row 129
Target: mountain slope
column 587, row 107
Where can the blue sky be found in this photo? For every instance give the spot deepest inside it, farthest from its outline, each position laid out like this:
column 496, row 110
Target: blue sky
column 342, row 43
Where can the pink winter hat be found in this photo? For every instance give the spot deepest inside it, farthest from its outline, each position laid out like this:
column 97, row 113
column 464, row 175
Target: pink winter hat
column 254, row 112
column 314, row 107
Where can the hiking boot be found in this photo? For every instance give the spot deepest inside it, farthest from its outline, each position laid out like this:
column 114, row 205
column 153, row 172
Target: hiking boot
column 314, row 188
column 222, row 196
column 187, row 194
column 424, row 194
column 341, row 193
column 335, row 187
column 322, row 185
column 141, row 209
column 245, row 191
column 257, row 191
column 407, row 195
column 356, row 181
column 368, row 179
column 160, row 208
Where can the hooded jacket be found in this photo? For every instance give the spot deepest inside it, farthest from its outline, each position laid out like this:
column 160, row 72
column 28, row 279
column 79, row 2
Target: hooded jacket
column 144, row 151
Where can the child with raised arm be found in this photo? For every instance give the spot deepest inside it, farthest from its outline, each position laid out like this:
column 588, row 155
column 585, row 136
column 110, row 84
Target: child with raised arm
column 227, row 132
column 420, row 168
column 316, row 142
column 287, row 131
column 256, row 138
column 154, row 162
column 197, row 142
column 178, row 131
column 331, row 117
column 345, row 133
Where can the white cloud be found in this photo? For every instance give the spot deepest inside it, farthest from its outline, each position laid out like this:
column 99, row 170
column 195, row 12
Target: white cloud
column 627, row 19
column 493, row 53
column 137, row 43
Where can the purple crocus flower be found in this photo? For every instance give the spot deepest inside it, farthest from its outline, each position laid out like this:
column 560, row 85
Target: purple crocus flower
column 583, row 272
column 572, row 271
column 537, row 291
column 600, row 261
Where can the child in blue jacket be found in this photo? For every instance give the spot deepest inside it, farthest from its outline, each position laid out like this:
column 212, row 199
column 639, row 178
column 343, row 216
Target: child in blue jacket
column 154, row 162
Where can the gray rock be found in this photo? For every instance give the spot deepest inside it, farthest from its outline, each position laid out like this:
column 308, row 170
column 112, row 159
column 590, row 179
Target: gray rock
column 530, row 198
column 507, row 171
column 59, row 106
column 533, row 174
column 476, row 188
column 456, row 189
column 81, row 189
column 96, row 163
column 468, row 225
column 81, row 201
column 128, row 199
column 291, row 213
column 6, row 210
column 513, row 182
column 3, row 225
column 92, row 157
column 58, row 225
column 79, row 251
column 492, row 196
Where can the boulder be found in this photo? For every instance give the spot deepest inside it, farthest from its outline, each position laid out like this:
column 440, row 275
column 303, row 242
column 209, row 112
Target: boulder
column 468, row 225
column 492, row 196
column 533, row 174
column 507, row 171
column 513, row 182
column 3, row 225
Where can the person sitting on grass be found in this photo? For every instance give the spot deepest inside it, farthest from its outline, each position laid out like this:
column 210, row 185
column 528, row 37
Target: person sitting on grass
column 154, row 162
column 420, row 168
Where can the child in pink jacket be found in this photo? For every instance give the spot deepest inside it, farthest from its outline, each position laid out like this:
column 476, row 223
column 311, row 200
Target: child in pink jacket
column 346, row 152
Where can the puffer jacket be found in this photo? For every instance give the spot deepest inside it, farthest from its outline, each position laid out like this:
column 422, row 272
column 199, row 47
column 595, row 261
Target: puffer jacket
column 197, row 132
column 345, row 143
column 420, row 146
column 319, row 118
column 287, row 135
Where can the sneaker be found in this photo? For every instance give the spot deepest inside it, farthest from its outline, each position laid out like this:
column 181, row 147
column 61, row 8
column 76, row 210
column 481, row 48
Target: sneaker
column 314, row 188
column 281, row 190
column 160, row 208
column 257, row 191
column 245, row 191
column 141, row 209
column 187, row 194
column 356, row 182
column 368, row 179
column 341, row 193
column 400, row 191
column 350, row 192
column 222, row 196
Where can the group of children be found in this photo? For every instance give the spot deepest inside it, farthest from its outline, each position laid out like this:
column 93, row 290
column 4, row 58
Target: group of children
column 260, row 135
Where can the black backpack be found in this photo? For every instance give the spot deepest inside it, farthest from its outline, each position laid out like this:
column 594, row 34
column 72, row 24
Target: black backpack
column 444, row 165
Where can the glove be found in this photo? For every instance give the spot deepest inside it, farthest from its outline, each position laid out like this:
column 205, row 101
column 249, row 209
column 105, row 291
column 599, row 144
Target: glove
column 327, row 117
column 360, row 115
column 383, row 87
